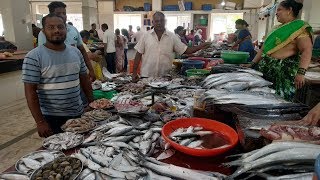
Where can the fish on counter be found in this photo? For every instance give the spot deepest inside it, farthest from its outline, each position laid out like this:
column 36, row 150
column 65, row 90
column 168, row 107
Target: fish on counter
column 245, row 98
column 79, row 125
column 97, row 115
column 286, row 154
column 292, row 133
column 63, row 141
column 32, row 161
column 198, row 138
column 13, row 176
column 101, row 104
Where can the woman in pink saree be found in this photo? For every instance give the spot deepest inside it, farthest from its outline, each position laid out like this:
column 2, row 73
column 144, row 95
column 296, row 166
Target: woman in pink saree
column 119, row 51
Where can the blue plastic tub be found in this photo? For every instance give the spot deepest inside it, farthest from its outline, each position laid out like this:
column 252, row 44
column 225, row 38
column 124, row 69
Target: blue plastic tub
column 206, row 7
column 188, row 6
column 191, row 64
column 171, row 8
column 147, row 7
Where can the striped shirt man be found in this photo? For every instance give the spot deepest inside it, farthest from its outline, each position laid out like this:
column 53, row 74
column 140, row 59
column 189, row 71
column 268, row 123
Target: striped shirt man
column 56, row 74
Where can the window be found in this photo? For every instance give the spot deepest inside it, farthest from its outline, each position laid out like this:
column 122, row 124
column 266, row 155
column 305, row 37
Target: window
column 76, row 20
column 175, row 20
column 223, row 23
column 122, row 21
column 1, row 26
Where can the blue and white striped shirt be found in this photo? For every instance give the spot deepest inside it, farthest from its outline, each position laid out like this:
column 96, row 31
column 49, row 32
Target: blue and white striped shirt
column 56, row 74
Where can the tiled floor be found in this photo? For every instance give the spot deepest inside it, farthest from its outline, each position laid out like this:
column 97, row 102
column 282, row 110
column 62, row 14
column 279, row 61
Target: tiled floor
column 17, row 136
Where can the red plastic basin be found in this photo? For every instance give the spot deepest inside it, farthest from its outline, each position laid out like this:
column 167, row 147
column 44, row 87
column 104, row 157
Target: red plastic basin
column 209, row 125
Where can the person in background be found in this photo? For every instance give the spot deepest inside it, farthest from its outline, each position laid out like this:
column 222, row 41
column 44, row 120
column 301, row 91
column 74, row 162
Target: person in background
column 70, row 23
column 94, row 33
column 73, row 35
column 120, row 41
column 157, row 47
column 244, row 41
column 130, row 33
column 53, row 74
column 286, row 52
column 180, row 32
column 125, row 35
column 198, row 37
column 6, row 46
column 94, row 57
column 148, row 28
column 190, row 36
column 35, row 32
column 137, row 36
column 109, row 39
column 316, row 44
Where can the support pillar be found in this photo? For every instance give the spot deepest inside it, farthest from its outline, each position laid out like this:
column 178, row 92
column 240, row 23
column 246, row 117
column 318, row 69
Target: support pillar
column 89, row 13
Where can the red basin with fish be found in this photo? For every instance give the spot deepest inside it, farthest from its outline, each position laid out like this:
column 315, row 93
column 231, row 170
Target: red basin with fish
column 222, row 133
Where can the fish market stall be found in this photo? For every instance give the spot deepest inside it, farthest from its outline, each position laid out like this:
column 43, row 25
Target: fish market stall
column 153, row 129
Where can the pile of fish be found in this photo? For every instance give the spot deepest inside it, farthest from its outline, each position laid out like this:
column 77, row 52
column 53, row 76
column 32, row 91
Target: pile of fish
column 30, row 162
column 63, row 141
column 131, row 133
column 286, row 156
column 135, row 88
column 60, row 168
column 189, row 137
column 240, row 81
column 79, row 125
column 127, row 105
column 245, row 98
column 292, row 133
column 13, row 176
column 97, row 115
column 230, row 68
column 101, row 104
column 111, row 162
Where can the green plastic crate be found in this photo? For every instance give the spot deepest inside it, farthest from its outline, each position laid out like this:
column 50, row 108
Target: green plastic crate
column 98, row 94
column 234, row 57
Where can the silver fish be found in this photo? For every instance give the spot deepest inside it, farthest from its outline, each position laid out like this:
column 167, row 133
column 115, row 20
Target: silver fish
column 147, row 135
column 166, row 154
column 117, row 144
column 290, row 155
column 186, row 142
column 30, row 163
column 13, row 176
column 195, row 144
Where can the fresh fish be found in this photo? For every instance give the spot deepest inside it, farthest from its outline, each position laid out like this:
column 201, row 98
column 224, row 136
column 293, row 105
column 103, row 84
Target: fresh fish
column 158, row 130
column 177, row 131
column 137, row 139
column 290, row 155
column 144, row 146
column 176, row 171
column 113, row 173
column 13, row 176
column 147, row 135
column 116, row 161
column 91, row 137
column 195, row 144
column 272, row 148
column 234, row 86
column 186, row 142
column 166, row 154
column 121, row 138
column 90, row 176
column 155, row 137
column 117, row 144
column 119, row 130
column 152, row 148
column 190, row 129
column 197, row 128
column 154, row 176
column 84, row 173
column 300, row 176
column 30, row 163
column 101, row 160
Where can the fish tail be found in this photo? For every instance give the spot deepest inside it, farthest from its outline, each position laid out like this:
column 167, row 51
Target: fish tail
column 233, row 163
column 236, row 174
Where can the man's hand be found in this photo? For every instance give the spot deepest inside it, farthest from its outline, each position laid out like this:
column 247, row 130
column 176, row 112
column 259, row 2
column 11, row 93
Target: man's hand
column 312, row 118
column 135, row 78
column 43, row 129
column 299, row 81
column 246, row 65
column 92, row 76
column 205, row 45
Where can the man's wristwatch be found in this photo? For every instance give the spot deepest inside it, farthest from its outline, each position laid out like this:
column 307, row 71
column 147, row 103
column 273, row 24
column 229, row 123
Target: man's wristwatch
column 302, row 71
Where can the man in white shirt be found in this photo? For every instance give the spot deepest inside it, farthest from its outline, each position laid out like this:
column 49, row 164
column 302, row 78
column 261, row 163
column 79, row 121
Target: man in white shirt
column 157, row 47
column 137, row 36
column 109, row 39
